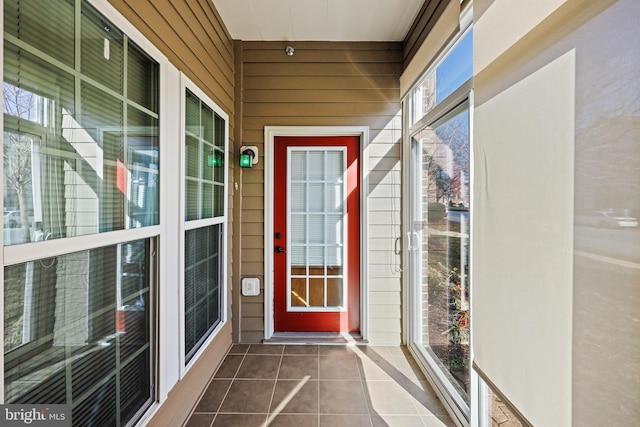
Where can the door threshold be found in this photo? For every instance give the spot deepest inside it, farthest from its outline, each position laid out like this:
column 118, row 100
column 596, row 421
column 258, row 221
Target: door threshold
column 318, row 338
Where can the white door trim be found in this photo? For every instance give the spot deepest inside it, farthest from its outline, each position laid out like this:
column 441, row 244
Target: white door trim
column 270, row 133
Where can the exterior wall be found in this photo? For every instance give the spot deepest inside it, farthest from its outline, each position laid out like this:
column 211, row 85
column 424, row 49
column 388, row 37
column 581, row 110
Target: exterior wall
column 556, row 132
column 323, row 84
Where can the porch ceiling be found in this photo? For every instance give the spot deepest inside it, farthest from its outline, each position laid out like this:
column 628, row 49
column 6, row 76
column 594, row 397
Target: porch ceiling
column 324, row 20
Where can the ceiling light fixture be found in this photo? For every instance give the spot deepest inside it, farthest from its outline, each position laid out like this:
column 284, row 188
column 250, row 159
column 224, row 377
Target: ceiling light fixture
column 289, row 50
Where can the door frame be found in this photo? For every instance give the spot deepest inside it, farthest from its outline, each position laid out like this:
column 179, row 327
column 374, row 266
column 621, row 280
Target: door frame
column 270, row 134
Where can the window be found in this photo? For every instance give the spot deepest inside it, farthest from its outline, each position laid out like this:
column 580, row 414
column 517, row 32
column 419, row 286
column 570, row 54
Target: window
column 205, row 144
column 81, row 157
column 450, row 73
column 439, row 230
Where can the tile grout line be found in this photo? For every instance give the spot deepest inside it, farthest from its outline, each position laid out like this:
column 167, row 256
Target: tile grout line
column 362, row 384
column 230, row 384
column 273, row 392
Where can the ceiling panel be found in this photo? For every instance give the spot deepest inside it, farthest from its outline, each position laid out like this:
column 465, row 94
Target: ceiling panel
column 327, row 20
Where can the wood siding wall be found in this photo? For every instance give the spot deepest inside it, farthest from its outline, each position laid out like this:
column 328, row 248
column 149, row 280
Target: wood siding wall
column 324, row 84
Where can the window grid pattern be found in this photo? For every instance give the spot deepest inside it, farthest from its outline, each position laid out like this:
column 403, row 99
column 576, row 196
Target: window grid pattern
column 316, row 228
column 80, row 104
column 204, row 189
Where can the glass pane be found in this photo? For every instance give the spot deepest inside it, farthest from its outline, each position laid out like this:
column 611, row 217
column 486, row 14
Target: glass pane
column 455, row 69
column 142, row 78
column 316, row 256
column 298, row 231
column 299, row 292
column 102, row 49
column 208, row 161
column 335, row 166
column 316, row 229
column 220, row 130
column 298, row 256
column 298, row 197
column 191, row 198
column 443, row 222
column 30, row 20
column 204, row 161
column 316, row 292
column 203, row 259
column 207, row 200
column 192, row 106
column 316, row 166
column 87, row 317
column 192, row 156
column 334, row 292
column 298, row 165
column 68, row 174
column 316, row 197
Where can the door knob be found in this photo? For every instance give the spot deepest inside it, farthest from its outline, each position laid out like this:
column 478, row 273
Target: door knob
column 279, row 250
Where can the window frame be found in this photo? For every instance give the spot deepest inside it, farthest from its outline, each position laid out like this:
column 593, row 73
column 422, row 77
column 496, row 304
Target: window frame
column 187, row 84
column 462, row 98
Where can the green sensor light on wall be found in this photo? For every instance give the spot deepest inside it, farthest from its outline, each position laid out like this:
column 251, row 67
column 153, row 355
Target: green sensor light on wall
column 248, row 156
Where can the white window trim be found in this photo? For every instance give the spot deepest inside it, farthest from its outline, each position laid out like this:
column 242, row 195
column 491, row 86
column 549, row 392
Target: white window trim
column 270, row 133
column 186, row 83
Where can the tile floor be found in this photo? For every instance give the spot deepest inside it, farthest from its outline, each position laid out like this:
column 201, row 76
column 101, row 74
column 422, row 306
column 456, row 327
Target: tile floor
column 311, row 385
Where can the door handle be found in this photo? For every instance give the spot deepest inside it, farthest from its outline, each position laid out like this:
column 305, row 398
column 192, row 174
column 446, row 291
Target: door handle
column 279, row 250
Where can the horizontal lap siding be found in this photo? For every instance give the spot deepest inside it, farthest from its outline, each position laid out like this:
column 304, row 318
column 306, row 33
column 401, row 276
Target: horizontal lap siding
column 327, row 84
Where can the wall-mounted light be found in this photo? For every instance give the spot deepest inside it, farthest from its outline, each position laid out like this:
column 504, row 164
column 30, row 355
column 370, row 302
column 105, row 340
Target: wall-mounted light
column 248, row 156
column 289, row 50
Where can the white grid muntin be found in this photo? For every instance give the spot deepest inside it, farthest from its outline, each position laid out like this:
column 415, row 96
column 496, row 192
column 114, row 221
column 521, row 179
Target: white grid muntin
column 306, row 212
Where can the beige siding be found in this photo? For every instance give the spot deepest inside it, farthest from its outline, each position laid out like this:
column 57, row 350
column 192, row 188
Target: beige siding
column 326, row 84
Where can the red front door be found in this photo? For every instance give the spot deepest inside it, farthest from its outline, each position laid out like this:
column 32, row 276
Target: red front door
column 317, row 234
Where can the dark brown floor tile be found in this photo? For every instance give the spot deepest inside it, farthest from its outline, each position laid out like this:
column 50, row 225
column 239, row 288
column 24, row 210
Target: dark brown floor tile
column 301, row 349
column 339, row 368
column 342, row 397
column 295, row 397
column 213, row 396
column 239, row 349
column 200, row 420
column 336, row 350
column 265, row 349
column 240, row 420
column 229, row 367
column 397, row 421
column 345, row 421
column 389, row 398
column 248, row 396
column 288, row 420
column 297, row 367
column 256, row 366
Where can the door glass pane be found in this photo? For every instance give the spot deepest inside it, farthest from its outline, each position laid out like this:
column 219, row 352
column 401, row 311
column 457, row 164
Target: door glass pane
column 442, row 221
column 316, row 229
